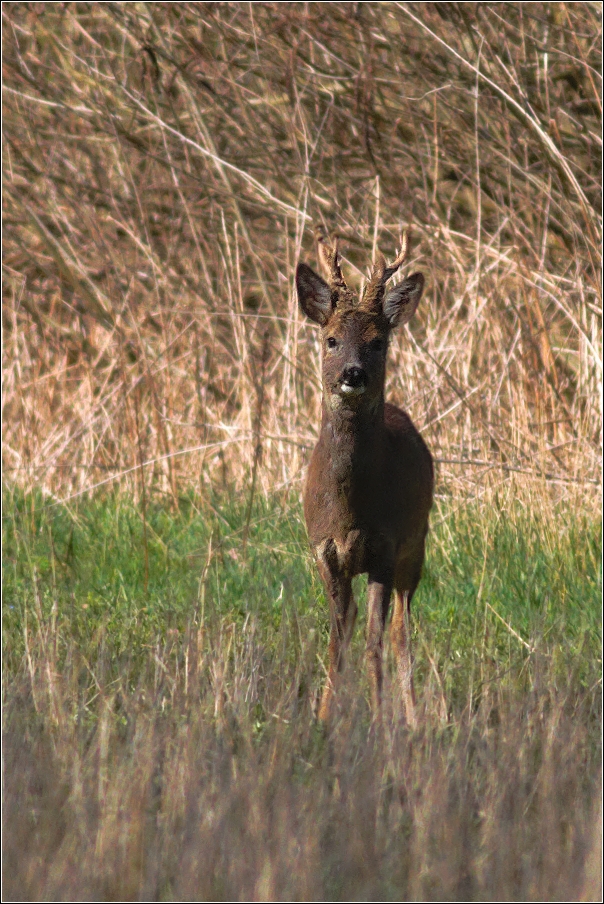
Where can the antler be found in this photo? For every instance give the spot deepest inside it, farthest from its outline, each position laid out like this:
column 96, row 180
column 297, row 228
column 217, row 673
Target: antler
column 381, row 273
column 329, row 257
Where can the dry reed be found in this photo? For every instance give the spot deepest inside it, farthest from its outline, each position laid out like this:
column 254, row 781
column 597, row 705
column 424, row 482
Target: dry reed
column 161, row 165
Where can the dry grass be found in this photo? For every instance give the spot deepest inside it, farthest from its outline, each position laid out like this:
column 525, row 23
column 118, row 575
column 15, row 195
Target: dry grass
column 162, row 164
column 180, row 805
column 178, row 793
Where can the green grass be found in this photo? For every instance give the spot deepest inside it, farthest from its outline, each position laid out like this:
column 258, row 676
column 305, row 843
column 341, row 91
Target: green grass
column 101, row 569
column 159, row 686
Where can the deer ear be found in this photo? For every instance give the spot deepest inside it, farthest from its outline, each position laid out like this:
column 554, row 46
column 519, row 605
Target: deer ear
column 314, row 294
column 401, row 302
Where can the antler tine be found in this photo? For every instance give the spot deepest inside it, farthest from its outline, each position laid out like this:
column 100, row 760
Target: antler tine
column 328, row 255
column 399, row 260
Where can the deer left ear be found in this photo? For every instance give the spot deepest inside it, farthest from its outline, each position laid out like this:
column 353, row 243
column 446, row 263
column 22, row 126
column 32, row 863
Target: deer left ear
column 401, row 302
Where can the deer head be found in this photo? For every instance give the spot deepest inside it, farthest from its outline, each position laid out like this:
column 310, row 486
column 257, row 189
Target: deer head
column 356, row 331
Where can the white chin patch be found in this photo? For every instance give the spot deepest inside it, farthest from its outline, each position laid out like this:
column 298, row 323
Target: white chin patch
column 345, row 389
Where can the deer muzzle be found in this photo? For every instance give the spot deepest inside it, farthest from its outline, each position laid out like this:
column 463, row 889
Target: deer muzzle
column 353, row 381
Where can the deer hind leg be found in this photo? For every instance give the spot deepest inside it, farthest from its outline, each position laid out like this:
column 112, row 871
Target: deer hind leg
column 343, row 613
column 378, row 602
column 407, row 580
column 400, row 636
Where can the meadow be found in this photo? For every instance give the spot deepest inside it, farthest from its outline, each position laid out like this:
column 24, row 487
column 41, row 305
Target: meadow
column 164, row 626
column 160, row 697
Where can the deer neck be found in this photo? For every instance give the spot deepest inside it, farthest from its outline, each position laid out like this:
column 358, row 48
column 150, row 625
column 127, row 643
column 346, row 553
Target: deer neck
column 353, row 438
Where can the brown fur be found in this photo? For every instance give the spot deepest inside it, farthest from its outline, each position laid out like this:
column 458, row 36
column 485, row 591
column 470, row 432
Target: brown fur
column 370, row 481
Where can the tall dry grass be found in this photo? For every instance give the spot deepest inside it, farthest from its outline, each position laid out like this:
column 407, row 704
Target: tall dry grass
column 162, row 164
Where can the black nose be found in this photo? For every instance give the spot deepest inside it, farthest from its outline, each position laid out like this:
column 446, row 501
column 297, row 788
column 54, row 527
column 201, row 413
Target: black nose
column 354, row 376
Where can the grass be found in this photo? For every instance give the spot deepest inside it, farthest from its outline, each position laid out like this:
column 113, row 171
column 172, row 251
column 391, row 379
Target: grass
column 164, row 628
column 160, row 741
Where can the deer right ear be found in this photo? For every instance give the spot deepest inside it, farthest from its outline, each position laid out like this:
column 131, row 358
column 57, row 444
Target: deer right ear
column 314, row 294
column 401, row 302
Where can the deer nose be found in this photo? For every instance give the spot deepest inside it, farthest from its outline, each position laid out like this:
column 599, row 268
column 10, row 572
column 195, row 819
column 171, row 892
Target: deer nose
column 354, row 377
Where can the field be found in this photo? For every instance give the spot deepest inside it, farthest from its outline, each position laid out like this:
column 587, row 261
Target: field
column 160, row 741
column 164, row 627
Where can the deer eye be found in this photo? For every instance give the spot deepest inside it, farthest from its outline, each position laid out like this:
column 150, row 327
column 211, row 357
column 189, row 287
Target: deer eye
column 331, row 342
column 376, row 345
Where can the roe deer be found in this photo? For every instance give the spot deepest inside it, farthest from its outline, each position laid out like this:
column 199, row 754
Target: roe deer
column 369, row 487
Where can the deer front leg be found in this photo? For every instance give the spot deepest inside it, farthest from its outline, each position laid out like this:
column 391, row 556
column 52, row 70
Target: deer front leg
column 343, row 612
column 378, row 601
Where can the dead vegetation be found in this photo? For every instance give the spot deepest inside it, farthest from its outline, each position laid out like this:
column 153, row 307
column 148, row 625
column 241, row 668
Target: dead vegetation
column 174, row 794
column 162, row 165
